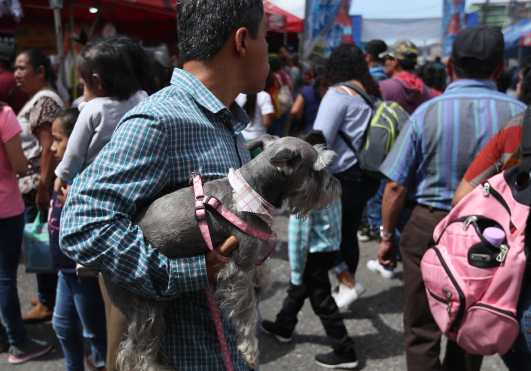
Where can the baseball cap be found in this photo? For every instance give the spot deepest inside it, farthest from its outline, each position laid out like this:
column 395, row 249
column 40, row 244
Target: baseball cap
column 484, row 44
column 403, row 49
column 376, row 48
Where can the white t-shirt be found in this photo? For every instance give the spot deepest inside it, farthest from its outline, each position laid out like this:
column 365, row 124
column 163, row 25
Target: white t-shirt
column 264, row 106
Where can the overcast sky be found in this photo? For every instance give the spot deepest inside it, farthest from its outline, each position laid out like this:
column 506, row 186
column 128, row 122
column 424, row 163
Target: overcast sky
column 399, row 8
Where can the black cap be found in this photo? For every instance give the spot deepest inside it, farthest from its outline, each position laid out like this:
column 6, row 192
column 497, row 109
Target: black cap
column 375, row 48
column 484, row 44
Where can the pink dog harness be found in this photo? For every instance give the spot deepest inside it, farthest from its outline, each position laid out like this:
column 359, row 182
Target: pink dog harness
column 202, row 203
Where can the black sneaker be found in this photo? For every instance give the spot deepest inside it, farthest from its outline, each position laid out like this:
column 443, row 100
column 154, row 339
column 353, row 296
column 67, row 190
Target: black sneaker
column 31, row 349
column 347, row 361
column 275, row 330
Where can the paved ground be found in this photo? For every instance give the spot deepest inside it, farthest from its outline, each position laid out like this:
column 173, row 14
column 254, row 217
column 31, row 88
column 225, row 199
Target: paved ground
column 374, row 322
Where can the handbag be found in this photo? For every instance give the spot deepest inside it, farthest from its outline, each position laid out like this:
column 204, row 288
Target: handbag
column 37, row 252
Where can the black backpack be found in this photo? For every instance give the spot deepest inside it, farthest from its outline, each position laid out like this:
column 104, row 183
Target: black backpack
column 387, row 119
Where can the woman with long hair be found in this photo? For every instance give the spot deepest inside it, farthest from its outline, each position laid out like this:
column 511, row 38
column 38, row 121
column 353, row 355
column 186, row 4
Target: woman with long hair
column 343, row 117
column 34, row 76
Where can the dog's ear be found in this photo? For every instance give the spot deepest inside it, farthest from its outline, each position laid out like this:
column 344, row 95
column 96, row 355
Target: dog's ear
column 324, row 157
column 286, row 160
column 261, row 142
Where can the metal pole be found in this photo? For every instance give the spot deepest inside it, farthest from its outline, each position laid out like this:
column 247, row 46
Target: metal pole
column 56, row 6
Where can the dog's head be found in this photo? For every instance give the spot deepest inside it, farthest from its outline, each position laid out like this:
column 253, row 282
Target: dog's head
column 308, row 184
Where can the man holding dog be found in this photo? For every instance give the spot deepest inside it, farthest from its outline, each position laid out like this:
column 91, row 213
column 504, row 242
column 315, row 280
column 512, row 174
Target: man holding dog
column 426, row 163
column 189, row 126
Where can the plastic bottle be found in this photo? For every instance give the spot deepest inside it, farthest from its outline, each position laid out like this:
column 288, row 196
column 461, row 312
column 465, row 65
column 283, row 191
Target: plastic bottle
column 494, row 235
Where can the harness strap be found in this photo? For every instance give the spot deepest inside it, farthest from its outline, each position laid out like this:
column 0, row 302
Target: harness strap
column 216, row 317
column 236, row 221
column 200, row 215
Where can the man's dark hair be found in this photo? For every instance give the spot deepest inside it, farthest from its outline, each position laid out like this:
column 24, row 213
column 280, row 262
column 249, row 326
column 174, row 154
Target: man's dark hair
column 471, row 68
column 204, row 26
column 374, row 48
column 113, row 67
column 408, row 64
column 68, row 118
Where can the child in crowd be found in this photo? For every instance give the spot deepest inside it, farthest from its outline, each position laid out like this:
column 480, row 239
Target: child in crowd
column 313, row 250
column 79, row 312
column 110, row 90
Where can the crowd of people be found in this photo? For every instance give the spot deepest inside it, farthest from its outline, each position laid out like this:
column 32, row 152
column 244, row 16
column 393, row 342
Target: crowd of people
column 87, row 166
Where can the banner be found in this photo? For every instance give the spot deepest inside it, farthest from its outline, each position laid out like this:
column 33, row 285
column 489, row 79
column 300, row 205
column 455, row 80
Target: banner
column 327, row 25
column 453, row 22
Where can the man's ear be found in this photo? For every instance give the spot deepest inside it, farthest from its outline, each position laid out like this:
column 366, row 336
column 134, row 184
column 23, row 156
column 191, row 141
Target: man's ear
column 286, row 160
column 240, row 41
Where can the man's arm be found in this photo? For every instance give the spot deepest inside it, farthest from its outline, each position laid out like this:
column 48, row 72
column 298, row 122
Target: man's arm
column 97, row 224
column 393, row 202
column 399, row 166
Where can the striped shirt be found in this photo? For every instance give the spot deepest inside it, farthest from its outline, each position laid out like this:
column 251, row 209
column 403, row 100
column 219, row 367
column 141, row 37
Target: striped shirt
column 442, row 138
column 156, row 146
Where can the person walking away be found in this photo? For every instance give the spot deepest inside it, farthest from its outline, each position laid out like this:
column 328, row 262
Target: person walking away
column 499, row 154
column 313, row 246
column 79, row 313
column 429, row 158
column 35, row 77
column 374, row 50
column 403, row 86
column 260, row 110
column 13, row 336
column 344, row 116
column 190, row 125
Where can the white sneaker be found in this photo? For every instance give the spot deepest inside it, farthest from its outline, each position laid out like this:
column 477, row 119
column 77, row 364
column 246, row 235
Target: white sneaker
column 346, row 296
column 375, row 266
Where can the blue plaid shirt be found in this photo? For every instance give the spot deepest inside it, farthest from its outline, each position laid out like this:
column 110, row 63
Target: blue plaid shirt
column 156, row 146
column 320, row 231
column 442, row 138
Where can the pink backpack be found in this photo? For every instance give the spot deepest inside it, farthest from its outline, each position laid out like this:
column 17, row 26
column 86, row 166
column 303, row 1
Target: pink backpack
column 472, row 285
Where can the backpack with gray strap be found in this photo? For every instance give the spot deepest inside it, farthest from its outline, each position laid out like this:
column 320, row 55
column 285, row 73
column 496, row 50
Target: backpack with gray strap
column 385, row 124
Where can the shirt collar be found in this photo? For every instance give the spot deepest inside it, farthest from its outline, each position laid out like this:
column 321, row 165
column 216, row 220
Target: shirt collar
column 471, row 83
column 205, row 98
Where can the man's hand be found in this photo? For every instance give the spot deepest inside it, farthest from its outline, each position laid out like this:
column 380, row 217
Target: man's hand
column 387, row 253
column 214, row 264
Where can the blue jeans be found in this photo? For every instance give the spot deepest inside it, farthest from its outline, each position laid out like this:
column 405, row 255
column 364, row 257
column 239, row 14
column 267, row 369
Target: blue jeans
column 11, row 231
column 519, row 357
column 79, row 314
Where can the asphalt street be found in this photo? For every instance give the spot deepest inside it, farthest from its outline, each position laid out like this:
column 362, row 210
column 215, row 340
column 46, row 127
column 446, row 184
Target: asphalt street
column 374, row 321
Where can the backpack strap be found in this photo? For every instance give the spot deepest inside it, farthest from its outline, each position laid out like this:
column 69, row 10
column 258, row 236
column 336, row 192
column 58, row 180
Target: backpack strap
column 526, row 141
column 346, row 86
column 519, row 177
column 360, row 92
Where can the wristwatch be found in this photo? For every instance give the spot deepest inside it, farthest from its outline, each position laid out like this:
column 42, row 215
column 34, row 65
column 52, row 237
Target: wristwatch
column 385, row 236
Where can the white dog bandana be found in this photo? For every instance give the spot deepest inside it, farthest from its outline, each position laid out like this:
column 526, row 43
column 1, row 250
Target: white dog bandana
column 248, row 200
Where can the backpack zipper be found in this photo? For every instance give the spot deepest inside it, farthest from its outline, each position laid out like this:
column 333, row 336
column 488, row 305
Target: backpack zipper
column 489, row 190
column 494, row 309
column 461, row 310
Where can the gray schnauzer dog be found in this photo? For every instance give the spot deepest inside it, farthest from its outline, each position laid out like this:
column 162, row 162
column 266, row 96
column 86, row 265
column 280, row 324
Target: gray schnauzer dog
column 289, row 172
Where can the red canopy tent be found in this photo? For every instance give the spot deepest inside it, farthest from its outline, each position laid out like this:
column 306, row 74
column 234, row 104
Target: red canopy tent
column 280, row 20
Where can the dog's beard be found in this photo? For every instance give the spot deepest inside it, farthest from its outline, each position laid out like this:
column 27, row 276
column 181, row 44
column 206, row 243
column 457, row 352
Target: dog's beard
column 313, row 194
column 236, row 295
